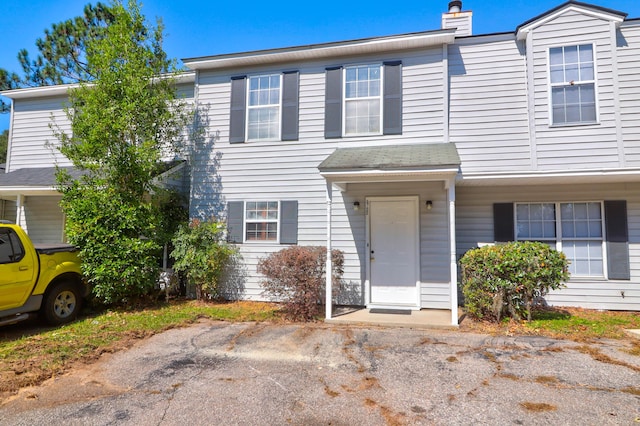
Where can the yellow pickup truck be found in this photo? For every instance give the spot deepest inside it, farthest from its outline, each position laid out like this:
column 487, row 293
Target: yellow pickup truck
column 38, row 278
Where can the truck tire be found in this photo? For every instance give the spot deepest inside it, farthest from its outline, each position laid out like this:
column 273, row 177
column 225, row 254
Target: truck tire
column 62, row 303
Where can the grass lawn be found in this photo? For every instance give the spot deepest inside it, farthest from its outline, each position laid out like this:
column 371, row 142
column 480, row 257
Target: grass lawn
column 46, row 352
column 563, row 323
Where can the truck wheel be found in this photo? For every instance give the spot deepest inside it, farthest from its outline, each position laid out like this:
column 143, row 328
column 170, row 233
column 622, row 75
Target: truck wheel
column 61, row 304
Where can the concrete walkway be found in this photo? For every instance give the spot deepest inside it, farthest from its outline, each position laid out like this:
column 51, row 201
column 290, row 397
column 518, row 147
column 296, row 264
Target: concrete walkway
column 423, row 319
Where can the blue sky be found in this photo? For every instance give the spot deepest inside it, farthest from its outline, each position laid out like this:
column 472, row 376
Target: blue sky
column 200, row 28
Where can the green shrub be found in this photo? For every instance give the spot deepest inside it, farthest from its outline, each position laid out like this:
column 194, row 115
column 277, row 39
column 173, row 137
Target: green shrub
column 202, row 254
column 506, row 279
column 117, row 238
column 296, row 277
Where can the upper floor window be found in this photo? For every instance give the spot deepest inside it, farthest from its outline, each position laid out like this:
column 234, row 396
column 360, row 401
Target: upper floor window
column 573, row 88
column 264, row 107
column 263, row 120
column 362, row 100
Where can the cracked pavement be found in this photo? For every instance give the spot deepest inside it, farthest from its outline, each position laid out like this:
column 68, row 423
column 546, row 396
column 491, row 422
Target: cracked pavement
column 318, row 374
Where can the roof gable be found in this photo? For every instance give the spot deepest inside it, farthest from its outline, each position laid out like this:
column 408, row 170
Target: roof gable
column 571, row 6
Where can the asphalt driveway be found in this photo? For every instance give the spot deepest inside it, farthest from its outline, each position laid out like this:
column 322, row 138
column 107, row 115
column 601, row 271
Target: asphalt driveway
column 256, row 374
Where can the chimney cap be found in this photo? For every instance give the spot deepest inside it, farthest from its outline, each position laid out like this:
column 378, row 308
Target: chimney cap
column 455, row 6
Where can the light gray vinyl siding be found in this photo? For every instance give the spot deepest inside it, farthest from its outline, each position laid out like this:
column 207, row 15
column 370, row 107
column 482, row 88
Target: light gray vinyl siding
column 474, row 224
column 44, row 220
column 582, row 146
column 629, row 80
column 32, row 141
column 8, row 210
column 488, row 106
column 462, row 24
column 288, row 170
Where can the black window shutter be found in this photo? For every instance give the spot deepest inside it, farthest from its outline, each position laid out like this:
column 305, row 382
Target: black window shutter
column 392, row 107
column 333, row 103
column 503, row 226
column 290, row 95
column 235, row 221
column 238, row 109
column 615, row 217
column 289, row 222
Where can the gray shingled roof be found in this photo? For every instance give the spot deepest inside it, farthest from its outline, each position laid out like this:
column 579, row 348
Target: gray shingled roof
column 394, row 157
column 33, row 177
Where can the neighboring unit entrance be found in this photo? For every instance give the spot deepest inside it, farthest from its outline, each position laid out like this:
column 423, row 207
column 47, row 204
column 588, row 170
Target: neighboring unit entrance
column 394, row 251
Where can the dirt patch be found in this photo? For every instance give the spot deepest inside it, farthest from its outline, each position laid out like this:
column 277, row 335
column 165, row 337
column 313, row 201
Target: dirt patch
column 40, row 367
column 547, row 380
column 631, row 390
column 599, row 356
column 252, row 331
column 538, row 407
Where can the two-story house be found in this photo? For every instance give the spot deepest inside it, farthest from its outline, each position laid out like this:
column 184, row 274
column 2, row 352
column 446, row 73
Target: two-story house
column 405, row 151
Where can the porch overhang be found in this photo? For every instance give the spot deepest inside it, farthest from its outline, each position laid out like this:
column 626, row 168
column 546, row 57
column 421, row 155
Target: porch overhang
column 391, row 163
column 394, row 163
column 30, row 182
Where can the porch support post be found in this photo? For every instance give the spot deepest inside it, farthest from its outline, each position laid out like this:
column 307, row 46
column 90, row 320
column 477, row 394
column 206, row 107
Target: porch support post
column 451, row 186
column 20, row 212
column 329, row 266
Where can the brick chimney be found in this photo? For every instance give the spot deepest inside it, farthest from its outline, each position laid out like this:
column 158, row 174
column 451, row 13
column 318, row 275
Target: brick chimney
column 456, row 18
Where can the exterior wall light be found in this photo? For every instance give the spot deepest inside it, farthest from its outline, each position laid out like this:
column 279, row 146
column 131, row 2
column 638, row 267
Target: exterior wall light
column 429, row 204
column 356, row 206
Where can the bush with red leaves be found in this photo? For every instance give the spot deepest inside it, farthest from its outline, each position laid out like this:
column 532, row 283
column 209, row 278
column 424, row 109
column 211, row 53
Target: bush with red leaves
column 295, row 276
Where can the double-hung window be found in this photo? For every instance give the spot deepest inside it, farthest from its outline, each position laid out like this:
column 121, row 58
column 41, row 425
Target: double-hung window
column 573, row 85
column 581, row 225
column 363, row 100
column 261, row 221
column 573, row 228
column 263, row 106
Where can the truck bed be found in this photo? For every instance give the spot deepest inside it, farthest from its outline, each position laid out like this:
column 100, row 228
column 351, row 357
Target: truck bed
column 54, row 248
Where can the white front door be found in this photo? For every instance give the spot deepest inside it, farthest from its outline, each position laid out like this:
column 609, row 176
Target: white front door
column 394, row 251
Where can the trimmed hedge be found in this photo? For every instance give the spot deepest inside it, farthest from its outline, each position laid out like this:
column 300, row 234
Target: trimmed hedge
column 506, row 279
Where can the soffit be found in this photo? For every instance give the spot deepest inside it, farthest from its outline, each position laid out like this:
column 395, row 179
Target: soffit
column 323, row 51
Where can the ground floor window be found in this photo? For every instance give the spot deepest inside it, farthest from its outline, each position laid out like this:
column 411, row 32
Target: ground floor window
column 574, row 228
column 261, row 221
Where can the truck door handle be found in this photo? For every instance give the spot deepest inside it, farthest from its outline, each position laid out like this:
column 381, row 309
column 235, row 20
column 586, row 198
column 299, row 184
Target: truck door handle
column 23, row 268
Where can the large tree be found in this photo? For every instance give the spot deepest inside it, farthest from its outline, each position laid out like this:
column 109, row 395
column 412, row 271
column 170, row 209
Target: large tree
column 4, row 142
column 61, row 56
column 122, row 123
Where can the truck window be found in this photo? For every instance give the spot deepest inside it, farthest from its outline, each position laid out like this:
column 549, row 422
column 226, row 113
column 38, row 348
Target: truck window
column 11, row 249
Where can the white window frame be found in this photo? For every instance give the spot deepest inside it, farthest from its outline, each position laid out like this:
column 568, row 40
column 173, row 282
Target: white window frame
column 380, row 97
column 250, row 107
column 567, row 83
column 246, row 221
column 558, row 240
